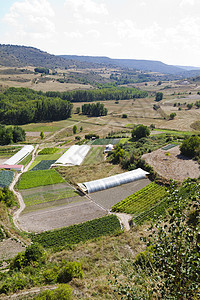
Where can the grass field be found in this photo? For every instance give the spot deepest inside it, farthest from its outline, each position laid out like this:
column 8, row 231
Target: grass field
column 106, row 141
column 39, row 178
column 94, row 156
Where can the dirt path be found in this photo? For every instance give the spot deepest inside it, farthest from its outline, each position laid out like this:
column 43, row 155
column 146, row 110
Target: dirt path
column 18, row 195
column 124, row 220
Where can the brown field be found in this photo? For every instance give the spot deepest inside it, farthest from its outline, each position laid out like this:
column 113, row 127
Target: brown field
column 172, row 165
column 61, row 216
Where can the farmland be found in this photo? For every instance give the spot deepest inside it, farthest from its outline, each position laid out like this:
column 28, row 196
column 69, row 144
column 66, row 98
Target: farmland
column 6, row 177
column 39, row 178
column 142, row 200
column 77, row 233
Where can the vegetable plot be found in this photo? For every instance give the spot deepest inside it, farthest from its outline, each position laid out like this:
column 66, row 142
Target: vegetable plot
column 6, row 177
column 77, row 233
column 141, row 200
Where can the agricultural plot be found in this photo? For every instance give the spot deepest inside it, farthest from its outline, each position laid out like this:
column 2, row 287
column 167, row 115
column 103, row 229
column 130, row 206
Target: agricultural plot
column 77, row 233
column 142, row 200
column 39, row 158
column 39, row 178
column 6, row 177
column 43, row 165
column 106, row 141
column 170, row 146
column 107, row 198
column 77, row 210
column 52, row 193
column 95, row 156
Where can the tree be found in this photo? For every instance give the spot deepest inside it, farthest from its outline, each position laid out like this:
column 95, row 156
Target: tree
column 74, row 129
column 140, row 131
column 172, row 116
column 78, row 109
column 159, row 96
column 42, row 135
column 191, row 146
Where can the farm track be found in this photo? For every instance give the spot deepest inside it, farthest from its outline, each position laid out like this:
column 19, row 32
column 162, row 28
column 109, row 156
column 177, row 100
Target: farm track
column 18, row 195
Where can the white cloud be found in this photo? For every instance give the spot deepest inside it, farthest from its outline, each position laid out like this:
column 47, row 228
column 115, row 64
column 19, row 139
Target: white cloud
column 74, row 34
column 32, row 17
column 93, row 33
column 87, row 6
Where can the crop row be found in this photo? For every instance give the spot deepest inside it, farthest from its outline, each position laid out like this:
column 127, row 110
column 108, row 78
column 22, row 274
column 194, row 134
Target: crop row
column 141, row 200
column 77, row 233
column 43, row 165
column 6, row 177
column 49, row 151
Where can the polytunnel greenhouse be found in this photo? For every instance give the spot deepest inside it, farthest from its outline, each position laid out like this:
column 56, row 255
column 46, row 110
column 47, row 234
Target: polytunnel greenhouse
column 113, row 181
column 20, row 155
column 73, row 156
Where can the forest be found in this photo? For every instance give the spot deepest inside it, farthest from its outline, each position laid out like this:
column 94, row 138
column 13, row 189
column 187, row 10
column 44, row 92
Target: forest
column 22, row 106
column 94, row 109
column 11, row 134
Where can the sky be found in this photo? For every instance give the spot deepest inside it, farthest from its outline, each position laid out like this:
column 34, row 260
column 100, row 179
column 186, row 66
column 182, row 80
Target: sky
column 164, row 30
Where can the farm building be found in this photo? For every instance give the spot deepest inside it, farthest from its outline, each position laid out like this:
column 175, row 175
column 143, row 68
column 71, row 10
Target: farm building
column 73, row 156
column 19, row 156
column 108, row 148
column 112, row 181
column 12, row 167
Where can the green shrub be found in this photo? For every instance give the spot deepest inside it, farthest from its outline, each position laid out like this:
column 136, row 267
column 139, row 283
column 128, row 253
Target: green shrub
column 63, row 292
column 50, row 275
column 69, row 271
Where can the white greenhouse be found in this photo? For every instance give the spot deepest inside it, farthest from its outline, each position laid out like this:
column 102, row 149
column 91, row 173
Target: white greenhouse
column 19, row 156
column 112, row 181
column 73, row 156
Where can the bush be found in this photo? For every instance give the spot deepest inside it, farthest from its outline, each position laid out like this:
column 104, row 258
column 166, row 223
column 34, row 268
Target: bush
column 63, row 292
column 190, row 147
column 69, row 271
column 140, row 131
column 159, row 96
column 124, row 116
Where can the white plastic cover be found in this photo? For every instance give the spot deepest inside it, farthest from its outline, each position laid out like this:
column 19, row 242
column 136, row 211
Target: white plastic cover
column 19, row 156
column 74, row 155
column 116, row 180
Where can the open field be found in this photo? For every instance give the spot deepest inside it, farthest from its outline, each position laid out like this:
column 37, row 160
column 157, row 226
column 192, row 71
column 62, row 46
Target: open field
column 47, row 194
column 61, row 216
column 172, row 165
column 39, row 178
column 94, row 156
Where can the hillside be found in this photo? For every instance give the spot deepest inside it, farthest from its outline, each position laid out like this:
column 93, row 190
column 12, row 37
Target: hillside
column 144, row 65
column 20, row 56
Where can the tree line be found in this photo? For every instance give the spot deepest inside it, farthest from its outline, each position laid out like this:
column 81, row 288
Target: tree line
column 22, row 106
column 94, row 109
column 114, row 93
column 9, row 135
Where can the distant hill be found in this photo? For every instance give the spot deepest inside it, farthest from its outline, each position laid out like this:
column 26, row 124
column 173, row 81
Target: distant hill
column 144, row 65
column 20, row 56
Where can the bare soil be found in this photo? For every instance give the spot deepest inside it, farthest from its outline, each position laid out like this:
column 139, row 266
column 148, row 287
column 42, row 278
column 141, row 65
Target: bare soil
column 60, row 216
column 172, row 165
column 9, row 248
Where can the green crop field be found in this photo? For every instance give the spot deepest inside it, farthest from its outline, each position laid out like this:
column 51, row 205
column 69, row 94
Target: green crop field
column 6, row 177
column 46, row 151
column 39, row 178
column 106, row 141
column 43, row 165
column 142, row 200
column 39, row 158
column 78, row 233
column 94, row 156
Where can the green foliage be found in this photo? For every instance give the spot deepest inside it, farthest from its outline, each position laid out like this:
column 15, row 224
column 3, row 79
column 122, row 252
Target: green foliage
column 34, row 254
column 10, row 135
column 141, row 200
column 6, row 177
column 117, row 154
column 101, row 94
column 191, row 146
column 62, row 292
column 169, row 268
column 77, row 233
column 69, row 271
column 124, row 116
column 159, row 96
column 172, row 116
column 42, row 70
column 91, row 135
column 94, row 109
column 39, row 178
column 22, row 106
column 74, row 129
column 140, row 131
column 46, row 151
column 42, row 135
column 7, row 196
